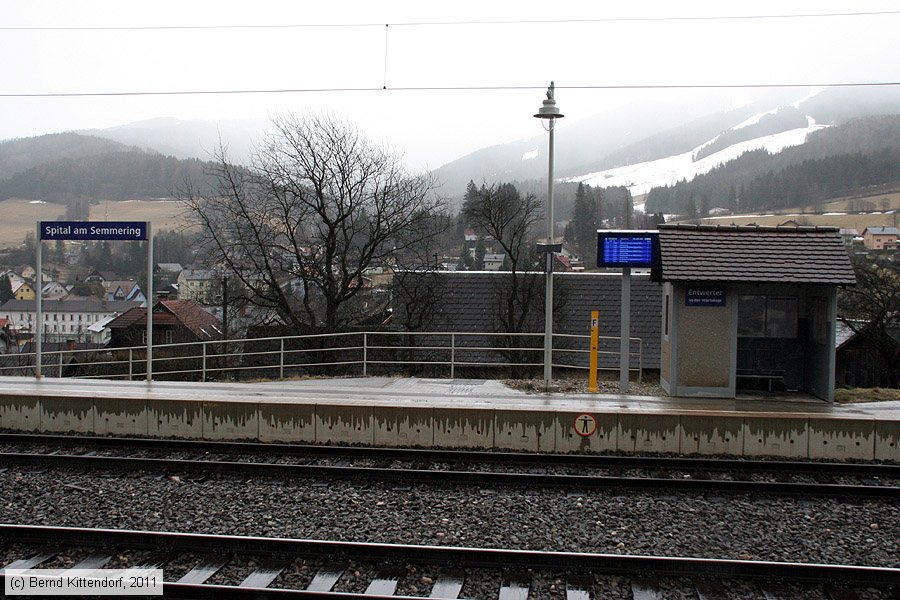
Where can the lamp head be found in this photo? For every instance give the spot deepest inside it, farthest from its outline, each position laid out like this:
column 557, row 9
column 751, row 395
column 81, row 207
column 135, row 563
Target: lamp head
column 548, row 113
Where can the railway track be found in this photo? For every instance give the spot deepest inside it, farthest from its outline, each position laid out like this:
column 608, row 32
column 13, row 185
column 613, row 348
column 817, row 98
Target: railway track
column 200, row 566
column 580, row 472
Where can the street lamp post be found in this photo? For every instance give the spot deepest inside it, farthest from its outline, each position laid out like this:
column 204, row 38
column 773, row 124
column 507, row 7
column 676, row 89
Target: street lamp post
column 548, row 113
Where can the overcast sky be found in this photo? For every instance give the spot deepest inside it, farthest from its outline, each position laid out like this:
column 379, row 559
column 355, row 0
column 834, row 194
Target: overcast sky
column 419, row 49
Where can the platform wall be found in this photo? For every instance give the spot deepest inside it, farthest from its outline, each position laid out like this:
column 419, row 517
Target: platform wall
column 742, row 434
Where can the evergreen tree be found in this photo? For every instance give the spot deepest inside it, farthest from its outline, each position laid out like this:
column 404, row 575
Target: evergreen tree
column 581, row 231
column 627, row 210
column 6, row 292
column 480, row 251
column 703, row 206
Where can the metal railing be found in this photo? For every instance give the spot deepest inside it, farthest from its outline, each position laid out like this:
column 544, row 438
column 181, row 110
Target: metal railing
column 437, row 354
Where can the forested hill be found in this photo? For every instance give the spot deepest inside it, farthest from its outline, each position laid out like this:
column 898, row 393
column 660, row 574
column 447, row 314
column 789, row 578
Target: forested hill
column 132, row 174
column 834, row 162
column 22, row 154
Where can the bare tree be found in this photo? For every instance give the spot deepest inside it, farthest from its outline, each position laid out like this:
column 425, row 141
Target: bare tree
column 509, row 218
column 300, row 227
column 872, row 310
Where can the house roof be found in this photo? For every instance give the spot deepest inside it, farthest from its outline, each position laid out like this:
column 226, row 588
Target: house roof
column 79, row 304
column 846, row 334
column 126, row 285
column 881, row 230
column 753, row 254
column 173, row 312
column 169, row 267
column 198, row 274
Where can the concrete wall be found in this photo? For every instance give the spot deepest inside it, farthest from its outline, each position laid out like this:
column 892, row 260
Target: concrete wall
column 665, row 358
column 820, row 312
column 542, row 430
column 704, row 343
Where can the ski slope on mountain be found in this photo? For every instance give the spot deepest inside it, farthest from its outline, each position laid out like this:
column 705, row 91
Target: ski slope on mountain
column 640, row 178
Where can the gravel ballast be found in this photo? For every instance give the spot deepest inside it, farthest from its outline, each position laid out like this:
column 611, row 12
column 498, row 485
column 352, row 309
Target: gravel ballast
column 734, row 527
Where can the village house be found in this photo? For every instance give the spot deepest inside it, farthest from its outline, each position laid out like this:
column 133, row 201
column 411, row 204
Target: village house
column 54, row 290
column 877, row 238
column 24, row 291
column 199, row 285
column 493, row 261
column 174, row 322
column 124, row 290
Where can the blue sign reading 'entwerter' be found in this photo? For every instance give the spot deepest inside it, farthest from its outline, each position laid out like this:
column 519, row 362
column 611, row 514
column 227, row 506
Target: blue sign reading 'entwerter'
column 89, row 230
column 704, row 296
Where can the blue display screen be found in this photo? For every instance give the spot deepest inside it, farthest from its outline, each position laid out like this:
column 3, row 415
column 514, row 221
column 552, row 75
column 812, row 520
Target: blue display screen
column 627, row 249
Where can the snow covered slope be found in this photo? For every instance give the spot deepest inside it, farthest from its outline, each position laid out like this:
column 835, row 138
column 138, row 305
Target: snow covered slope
column 640, row 178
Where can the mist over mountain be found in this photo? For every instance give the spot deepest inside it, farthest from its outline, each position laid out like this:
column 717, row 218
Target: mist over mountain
column 123, row 175
column 25, row 153
column 642, row 146
column 190, row 138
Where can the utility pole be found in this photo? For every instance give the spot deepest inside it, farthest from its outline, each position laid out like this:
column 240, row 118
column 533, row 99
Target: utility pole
column 225, row 307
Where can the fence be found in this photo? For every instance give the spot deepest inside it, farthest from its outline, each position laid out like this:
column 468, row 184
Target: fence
column 438, row 354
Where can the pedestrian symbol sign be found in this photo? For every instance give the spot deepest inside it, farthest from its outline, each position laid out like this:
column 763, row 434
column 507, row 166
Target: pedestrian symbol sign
column 585, row 425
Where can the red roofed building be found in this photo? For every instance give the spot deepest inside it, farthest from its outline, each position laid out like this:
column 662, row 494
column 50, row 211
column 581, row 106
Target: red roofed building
column 174, row 321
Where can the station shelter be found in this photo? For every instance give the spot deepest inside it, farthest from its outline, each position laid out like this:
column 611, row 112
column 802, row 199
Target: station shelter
column 749, row 308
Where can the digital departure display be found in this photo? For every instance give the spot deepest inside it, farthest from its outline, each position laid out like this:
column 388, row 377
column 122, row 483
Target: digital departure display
column 625, row 248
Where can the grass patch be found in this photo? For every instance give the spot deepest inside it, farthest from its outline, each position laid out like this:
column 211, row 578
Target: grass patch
column 853, row 395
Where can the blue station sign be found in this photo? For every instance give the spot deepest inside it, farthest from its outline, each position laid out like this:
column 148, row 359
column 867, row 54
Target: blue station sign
column 94, row 230
column 704, row 296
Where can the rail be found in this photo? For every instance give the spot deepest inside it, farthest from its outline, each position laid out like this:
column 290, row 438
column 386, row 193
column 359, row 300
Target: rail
column 365, row 353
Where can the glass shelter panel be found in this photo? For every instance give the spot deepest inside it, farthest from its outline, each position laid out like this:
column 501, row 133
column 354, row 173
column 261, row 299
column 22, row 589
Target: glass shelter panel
column 752, row 316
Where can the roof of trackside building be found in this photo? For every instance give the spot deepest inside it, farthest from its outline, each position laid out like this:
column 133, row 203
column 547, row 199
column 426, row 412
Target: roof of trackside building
column 753, row 254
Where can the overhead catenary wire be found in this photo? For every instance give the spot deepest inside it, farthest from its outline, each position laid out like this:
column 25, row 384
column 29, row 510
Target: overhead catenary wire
column 449, row 88
column 649, row 19
column 385, row 87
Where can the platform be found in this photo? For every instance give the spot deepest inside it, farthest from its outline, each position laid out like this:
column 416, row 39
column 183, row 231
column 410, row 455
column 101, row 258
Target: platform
column 457, row 413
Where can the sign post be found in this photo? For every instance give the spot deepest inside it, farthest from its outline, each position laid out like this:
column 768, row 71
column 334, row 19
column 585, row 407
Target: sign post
column 626, row 248
column 38, row 305
column 595, row 347
column 93, row 231
column 625, row 334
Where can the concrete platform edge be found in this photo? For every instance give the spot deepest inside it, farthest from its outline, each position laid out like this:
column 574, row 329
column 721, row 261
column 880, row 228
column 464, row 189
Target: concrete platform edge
column 528, row 429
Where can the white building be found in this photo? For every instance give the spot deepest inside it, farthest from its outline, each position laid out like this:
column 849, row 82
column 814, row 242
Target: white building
column 200, row 285
column 493, row 261
column 67, row 319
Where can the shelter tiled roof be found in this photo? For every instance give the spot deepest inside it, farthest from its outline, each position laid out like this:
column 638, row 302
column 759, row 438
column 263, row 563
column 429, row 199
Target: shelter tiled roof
column 752, row 254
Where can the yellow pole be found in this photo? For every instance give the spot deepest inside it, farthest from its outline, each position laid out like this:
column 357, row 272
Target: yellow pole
column 595, row 346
